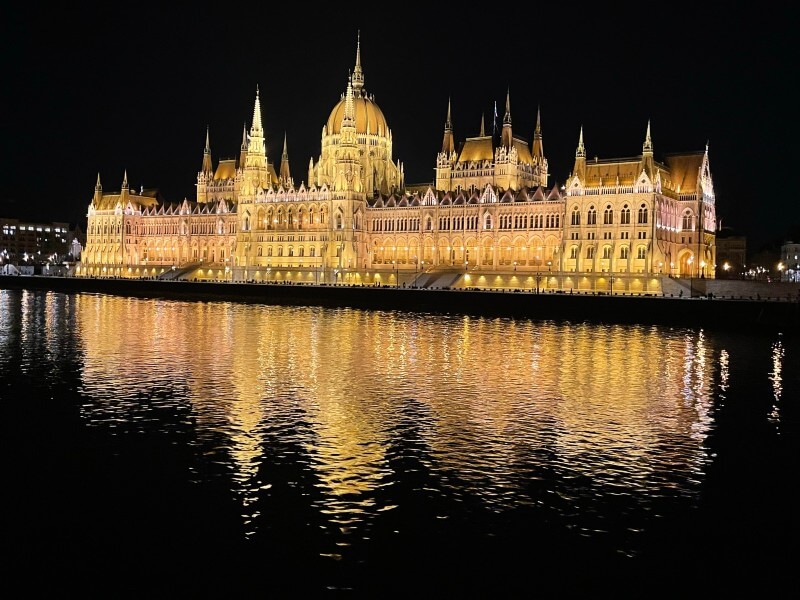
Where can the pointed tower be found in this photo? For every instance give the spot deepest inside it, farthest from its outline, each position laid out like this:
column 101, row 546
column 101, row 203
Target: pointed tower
column 205, row 177
column 348, row 167
column 98, row 192
column 537, row 150
column 312, row 180
column 506, row 135
column 255, row 165
column 447, row 156
column 448, row 145
column 647, row 154
column 124, row 190
column 286, row 178
column 207, row 168
column 357, row 79
column 483, row 130
column 243, row 147
column 579, row 170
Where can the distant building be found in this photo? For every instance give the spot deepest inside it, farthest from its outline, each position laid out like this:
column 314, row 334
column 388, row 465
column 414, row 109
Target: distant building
column 731, row 254
column 790, row 262
column 32, row 242
column 76, row 243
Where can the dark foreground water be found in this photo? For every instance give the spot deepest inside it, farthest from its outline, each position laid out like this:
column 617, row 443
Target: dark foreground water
column 165, row 448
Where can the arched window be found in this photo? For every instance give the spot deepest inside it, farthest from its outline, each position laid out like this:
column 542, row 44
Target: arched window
column 301, row 251
column 573, row 252
column 606, row 251
column 687, row 220
column 623, row 252
column 590, row 252
column 339, row 223
column 429, row 224
column 625, row 215
column 487, row 222
column 643, row 214
column 608, row 216
column 640, row 252
column 260, row 251
column 269, row 251
column 312, row 251
column 280, row 251
column 591, row 216
column 246, row 223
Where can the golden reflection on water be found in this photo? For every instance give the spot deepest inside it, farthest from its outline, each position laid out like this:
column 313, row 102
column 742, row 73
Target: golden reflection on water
column 493, row 402
column 775, row 378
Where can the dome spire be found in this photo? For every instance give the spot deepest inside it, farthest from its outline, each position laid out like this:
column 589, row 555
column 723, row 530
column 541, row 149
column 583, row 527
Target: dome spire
column 358, row 74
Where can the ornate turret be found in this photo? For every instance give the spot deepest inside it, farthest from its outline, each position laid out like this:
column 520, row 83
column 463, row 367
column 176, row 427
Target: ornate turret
column 537, row 149
column 448, row 145
column 647, row 154
column 98, row 192
column 580, row 159
column 357, row 78
column 243, row 147
column 506, row 136
column 286, row 178
column 255, row 167
column 207, row 168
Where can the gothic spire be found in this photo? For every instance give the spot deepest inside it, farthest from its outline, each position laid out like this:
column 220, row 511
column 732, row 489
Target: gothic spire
column 579, row 169
column 256, row 128
column 207, row 167
column 358, row 74
column 538, row 149
column 506, row 137
column 447, row 144
column 286, row 178
column 648, row 143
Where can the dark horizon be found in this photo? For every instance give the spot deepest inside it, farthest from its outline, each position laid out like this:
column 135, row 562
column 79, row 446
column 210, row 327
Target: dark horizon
column 136, row 93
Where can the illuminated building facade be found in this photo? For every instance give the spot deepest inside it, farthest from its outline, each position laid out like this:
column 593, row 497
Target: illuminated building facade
column 490, row 219
column 33, row 242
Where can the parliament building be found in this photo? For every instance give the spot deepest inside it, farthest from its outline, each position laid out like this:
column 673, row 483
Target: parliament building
column 491, row 219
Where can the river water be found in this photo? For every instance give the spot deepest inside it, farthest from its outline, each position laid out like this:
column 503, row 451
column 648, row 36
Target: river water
column 160, row 447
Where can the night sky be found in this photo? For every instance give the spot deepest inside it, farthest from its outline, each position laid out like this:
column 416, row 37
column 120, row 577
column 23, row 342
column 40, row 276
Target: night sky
column 134, row 89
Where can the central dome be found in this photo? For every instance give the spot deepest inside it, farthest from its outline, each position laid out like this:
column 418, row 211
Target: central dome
column 368, row 115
